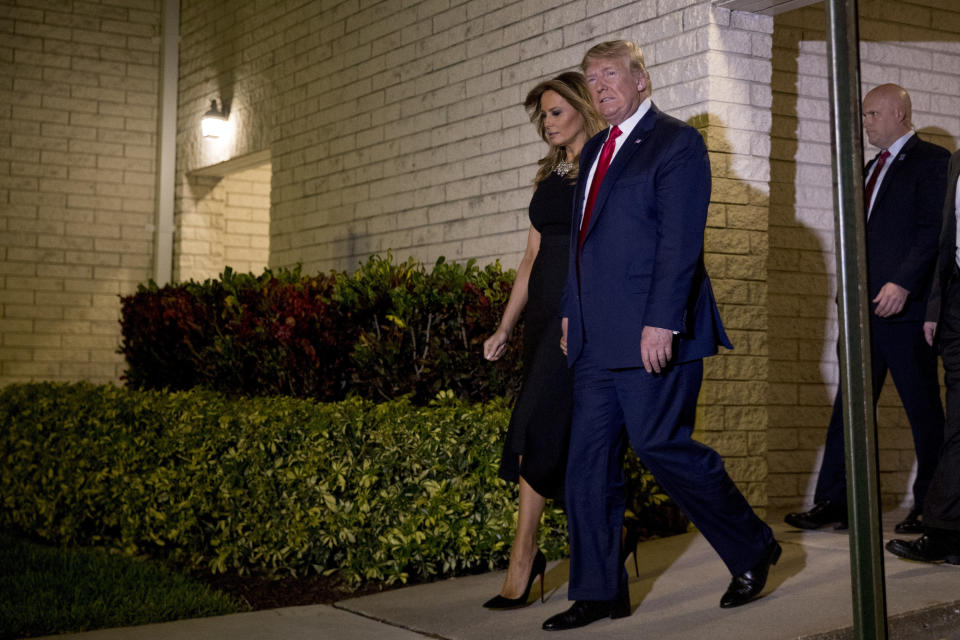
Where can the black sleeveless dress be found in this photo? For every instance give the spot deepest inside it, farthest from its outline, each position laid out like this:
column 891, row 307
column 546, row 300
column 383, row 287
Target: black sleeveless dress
column 539, row 428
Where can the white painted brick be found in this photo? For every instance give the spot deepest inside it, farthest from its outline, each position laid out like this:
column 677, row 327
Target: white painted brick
column 398, row 126
column 443, row 20
column 668, row 6
column 703, row 14
column 683, row 46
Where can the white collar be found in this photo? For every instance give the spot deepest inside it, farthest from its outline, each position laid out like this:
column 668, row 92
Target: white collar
column 628, row 125
column 895, row 148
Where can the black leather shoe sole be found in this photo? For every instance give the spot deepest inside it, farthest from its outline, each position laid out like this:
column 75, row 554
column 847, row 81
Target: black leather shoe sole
column 821, row 514
column 916, row 550
column 584, row 612
column 746, row 586
column 909, row 526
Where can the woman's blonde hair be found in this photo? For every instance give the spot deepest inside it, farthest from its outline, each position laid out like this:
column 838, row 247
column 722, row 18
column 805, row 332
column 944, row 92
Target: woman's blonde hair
column 572, row 87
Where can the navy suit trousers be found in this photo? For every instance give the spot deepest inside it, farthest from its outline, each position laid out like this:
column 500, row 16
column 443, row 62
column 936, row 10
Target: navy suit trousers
column 900, row 348
column 942, row 508
column 656, row 413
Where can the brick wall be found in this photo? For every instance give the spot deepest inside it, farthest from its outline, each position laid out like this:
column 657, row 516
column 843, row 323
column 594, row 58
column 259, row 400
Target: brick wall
column 737, row 129
column 231, row 53
column 914, row 44
column 246, row 214
column 399, row 127
column 198, row 236
column 77, row 147
column 223, row 220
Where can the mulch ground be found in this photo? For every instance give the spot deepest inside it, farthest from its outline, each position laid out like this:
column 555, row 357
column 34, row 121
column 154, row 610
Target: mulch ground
column 270, row 593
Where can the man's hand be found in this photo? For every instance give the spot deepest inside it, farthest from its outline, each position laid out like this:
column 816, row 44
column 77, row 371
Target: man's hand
column 563, row 336
column 656, row 348
column 929, row 330
column 890, row 300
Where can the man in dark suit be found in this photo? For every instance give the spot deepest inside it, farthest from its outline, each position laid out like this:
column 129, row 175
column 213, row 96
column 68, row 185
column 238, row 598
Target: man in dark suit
column 639, row 317
column 940, row 541
column 904, row 184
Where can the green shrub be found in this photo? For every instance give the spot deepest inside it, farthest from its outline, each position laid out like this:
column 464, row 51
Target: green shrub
column 381, row 492
column 387, row 330
column 273, row 485
column 420, row 333
column 275, row 334
column 165, row 331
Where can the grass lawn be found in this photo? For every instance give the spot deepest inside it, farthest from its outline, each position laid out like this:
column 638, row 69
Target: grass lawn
column 46, row 590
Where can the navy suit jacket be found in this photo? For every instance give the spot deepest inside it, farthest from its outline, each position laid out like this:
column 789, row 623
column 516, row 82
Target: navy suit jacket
column 947, row 256
column 904, row 225
column 642, row 258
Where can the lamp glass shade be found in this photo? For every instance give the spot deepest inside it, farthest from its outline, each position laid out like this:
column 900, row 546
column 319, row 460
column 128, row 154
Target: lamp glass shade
column 213, row 124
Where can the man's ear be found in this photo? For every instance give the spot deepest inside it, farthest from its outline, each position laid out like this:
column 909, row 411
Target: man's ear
column 641, row 81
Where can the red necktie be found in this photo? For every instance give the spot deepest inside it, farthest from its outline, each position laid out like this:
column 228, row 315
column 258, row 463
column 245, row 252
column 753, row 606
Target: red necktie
column 602, row 164
column 872, row 182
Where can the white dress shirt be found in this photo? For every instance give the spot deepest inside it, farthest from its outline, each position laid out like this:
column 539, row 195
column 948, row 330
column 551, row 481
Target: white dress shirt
column 626, row 127
column 956, row 212
column 894, row 149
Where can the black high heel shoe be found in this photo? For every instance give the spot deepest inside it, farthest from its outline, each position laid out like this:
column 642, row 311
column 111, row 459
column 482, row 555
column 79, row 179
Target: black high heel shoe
column 630, row 542
column 539, row 568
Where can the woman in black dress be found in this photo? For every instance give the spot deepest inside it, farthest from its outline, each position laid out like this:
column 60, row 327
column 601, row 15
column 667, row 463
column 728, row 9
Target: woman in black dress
column 535, row 452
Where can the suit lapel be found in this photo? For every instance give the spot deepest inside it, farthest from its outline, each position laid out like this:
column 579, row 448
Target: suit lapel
column 588, row 155
column 630, row 146
column 895, row 165
column 950, row 209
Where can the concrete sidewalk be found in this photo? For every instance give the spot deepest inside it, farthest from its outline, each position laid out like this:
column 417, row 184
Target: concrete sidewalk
column 676, row 596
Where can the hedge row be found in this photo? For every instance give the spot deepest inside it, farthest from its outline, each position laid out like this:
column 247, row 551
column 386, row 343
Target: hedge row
column 385, row 331
column 274, row 485
column 268, row 485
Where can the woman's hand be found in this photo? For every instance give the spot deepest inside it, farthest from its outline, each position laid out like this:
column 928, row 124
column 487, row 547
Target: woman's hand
column 495, row 345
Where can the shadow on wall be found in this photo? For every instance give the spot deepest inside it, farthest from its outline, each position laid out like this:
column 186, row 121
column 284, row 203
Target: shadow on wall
column 223, row 219
column 938, row 136
column 800, row 307
column 803, row 315
column 732, row 414
column 198, row 251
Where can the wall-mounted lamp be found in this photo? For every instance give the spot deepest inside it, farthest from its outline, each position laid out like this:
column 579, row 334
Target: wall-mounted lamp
column 214, row 122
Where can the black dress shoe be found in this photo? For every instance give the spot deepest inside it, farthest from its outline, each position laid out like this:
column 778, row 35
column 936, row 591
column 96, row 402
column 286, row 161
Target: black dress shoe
column 913, row 523
column 822, row 513
column 745, row 586
column 929, row 547
column 583, row 612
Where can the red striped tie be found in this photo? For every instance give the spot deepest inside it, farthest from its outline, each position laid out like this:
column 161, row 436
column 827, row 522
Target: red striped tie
column 602, row 164
column 872, row 182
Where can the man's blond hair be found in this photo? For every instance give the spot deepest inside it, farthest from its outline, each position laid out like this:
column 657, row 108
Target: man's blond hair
column 619, row 49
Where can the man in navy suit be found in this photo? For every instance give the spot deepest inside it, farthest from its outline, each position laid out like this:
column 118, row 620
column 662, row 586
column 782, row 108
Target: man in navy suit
column 639, row 317
column 940, row 541
column 903, row 196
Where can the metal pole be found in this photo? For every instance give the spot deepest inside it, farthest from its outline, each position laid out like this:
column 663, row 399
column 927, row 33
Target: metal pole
column 866, row 544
